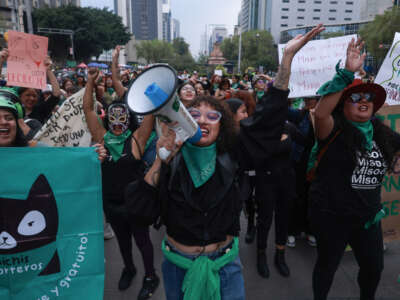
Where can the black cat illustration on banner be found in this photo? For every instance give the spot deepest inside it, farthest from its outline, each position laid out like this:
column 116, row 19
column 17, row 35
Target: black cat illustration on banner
column 31, row 223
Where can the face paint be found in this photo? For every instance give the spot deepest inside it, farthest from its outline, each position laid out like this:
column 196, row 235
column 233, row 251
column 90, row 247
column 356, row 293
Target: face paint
column 118, row 117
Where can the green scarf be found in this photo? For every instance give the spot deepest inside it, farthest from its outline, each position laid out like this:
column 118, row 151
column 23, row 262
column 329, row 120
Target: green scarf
column 202, row 281
column 341, row 79
column 110, row 91
column 200, row 161
column 235, row 85
column 115, row 143
column 216, row 86
column 260, row 94
column 368, row 131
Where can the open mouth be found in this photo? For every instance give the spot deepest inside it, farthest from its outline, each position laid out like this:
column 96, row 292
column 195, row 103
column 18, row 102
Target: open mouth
column 204, row 132
column 117, row 127
column 4, row 132
column 363, row 108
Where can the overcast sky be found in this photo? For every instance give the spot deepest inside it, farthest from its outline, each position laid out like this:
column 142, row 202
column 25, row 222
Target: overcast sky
column 194, row 15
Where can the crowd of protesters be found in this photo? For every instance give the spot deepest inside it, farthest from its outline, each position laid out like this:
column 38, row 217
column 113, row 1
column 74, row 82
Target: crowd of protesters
column 258, row 154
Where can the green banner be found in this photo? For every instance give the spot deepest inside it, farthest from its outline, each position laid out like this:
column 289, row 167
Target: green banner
column 51, row 224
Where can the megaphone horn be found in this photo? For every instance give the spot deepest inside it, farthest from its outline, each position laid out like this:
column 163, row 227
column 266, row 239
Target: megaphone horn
column 154, row 92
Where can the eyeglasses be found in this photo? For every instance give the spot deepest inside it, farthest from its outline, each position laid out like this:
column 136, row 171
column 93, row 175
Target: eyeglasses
column 189, row 88
column 357, row 97
column 212, row 116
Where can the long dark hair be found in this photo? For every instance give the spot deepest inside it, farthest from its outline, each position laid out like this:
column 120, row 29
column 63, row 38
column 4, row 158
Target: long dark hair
column 20, row 139
column 385, row 138
column 227, row 136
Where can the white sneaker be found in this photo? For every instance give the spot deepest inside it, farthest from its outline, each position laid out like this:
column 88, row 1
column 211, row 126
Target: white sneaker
column 108, row 232
column 312, row 241
column 291, row 241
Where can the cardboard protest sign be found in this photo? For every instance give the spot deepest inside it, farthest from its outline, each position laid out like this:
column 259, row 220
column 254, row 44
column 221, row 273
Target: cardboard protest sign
column 391, row 182
column 25, row 66
column 51, row 224
column 315, row 64
column 389, row 73
column 67, row 126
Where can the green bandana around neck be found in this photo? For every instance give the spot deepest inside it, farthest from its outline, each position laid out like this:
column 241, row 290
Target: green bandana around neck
column 216, row 86
column 200, row 162
column 115, row 143
column 235, row 85
column 260, row 94
column 367, row 130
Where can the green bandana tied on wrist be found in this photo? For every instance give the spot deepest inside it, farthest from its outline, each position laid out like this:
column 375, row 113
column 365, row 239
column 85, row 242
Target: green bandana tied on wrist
column 200, row 162
column 115, row 143
column 341, row 79
column 367, row 130
column 202, row 281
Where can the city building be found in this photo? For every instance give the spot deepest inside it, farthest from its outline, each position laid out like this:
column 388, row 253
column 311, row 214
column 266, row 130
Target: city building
column 166, row 21
column 279, row 15
column 176, row 29
column 146, row 16
column 219, row 33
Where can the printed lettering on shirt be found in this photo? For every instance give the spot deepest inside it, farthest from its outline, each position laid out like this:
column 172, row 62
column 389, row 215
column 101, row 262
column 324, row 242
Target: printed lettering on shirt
column 370, row 169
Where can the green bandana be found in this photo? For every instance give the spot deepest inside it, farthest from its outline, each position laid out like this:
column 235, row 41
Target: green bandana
column 368, row 131
column 235, row 85
column 215, row 86
column 110, row 91
column 260, row 94
column 200, row 161
column 341, row 79
column 202, row 281
column 115, row 143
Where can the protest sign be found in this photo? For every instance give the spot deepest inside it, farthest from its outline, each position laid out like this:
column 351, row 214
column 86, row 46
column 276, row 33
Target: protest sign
column 389, row 73
column 67, row 126
column 315, row 64
column 25, row 65
column 391, row 182
column 51, row 224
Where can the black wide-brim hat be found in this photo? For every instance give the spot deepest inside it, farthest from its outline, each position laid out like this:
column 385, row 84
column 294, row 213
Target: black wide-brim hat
column 360, row 86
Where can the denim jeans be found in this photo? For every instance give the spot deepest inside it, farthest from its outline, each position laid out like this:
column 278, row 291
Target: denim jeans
column 232, row 283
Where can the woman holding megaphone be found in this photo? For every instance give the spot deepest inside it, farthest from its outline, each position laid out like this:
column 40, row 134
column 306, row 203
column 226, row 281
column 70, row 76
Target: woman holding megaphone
column 197, row 189
column 125, row 143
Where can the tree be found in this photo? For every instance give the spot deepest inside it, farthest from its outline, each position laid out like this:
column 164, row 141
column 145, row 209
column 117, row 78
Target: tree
column 328, row 35
column 155, row 51
column 176, row 54
column 257, row 50
column 96, row 30
column 379, row 34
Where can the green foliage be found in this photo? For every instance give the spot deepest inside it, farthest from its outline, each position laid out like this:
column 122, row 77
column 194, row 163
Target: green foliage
column 96, row 30
column 176, row 54
column 257, row 50
column 381, row 32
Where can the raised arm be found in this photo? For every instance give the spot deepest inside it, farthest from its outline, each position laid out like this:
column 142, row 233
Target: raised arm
column 96, row 129
column 119, row 88
column 3, row 58
column 324, row 122
column 292, row 47
column 56, row 91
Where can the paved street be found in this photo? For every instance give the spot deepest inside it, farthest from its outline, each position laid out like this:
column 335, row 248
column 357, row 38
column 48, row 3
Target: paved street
column 297, row 287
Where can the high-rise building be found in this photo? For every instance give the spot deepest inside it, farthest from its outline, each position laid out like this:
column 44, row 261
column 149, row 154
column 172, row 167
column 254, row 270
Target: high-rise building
column 219, row 33
column 146, row 16
column 166, row 21
column 176, row 29
column 278, row 15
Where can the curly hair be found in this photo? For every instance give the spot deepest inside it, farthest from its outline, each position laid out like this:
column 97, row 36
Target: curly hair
column 385, row 137
column 227, row 136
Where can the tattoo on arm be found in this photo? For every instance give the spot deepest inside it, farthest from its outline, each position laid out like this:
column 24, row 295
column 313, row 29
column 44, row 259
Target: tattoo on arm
column 282, row 78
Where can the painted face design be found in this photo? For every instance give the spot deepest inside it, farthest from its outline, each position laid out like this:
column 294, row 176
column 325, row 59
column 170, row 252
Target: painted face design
column 118, row 116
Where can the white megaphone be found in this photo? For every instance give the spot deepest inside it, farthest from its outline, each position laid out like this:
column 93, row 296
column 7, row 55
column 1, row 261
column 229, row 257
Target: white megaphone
column 154, row 92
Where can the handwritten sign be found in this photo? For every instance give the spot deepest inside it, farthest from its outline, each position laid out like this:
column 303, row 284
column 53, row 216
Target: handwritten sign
column 389, row 73
column 391, row 182
column 67, row 126
column 315, row 64
column 25, row 66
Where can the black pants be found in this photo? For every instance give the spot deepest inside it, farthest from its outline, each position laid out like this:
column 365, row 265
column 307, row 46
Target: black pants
column 333, row 233
column 124, row 230
column 250, row 202
column 274, row 192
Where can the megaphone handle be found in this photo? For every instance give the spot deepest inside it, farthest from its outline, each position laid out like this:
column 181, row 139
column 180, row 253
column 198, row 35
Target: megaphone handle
column 164, row 153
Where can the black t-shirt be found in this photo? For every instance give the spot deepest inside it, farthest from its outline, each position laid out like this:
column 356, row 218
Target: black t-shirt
column 347, row 188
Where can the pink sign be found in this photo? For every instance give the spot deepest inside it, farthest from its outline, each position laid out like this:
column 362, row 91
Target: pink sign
column 25, row 65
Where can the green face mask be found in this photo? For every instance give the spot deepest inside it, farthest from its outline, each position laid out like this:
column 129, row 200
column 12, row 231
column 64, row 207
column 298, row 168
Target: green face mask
column 115, row 143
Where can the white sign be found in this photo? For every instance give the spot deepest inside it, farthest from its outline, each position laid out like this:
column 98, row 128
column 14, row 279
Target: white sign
column 389, row 73
column 67, row 126
column 315, row 64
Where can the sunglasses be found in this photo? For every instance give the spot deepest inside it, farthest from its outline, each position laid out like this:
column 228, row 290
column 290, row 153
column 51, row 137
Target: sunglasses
column 212, row 116
column 357, row 97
